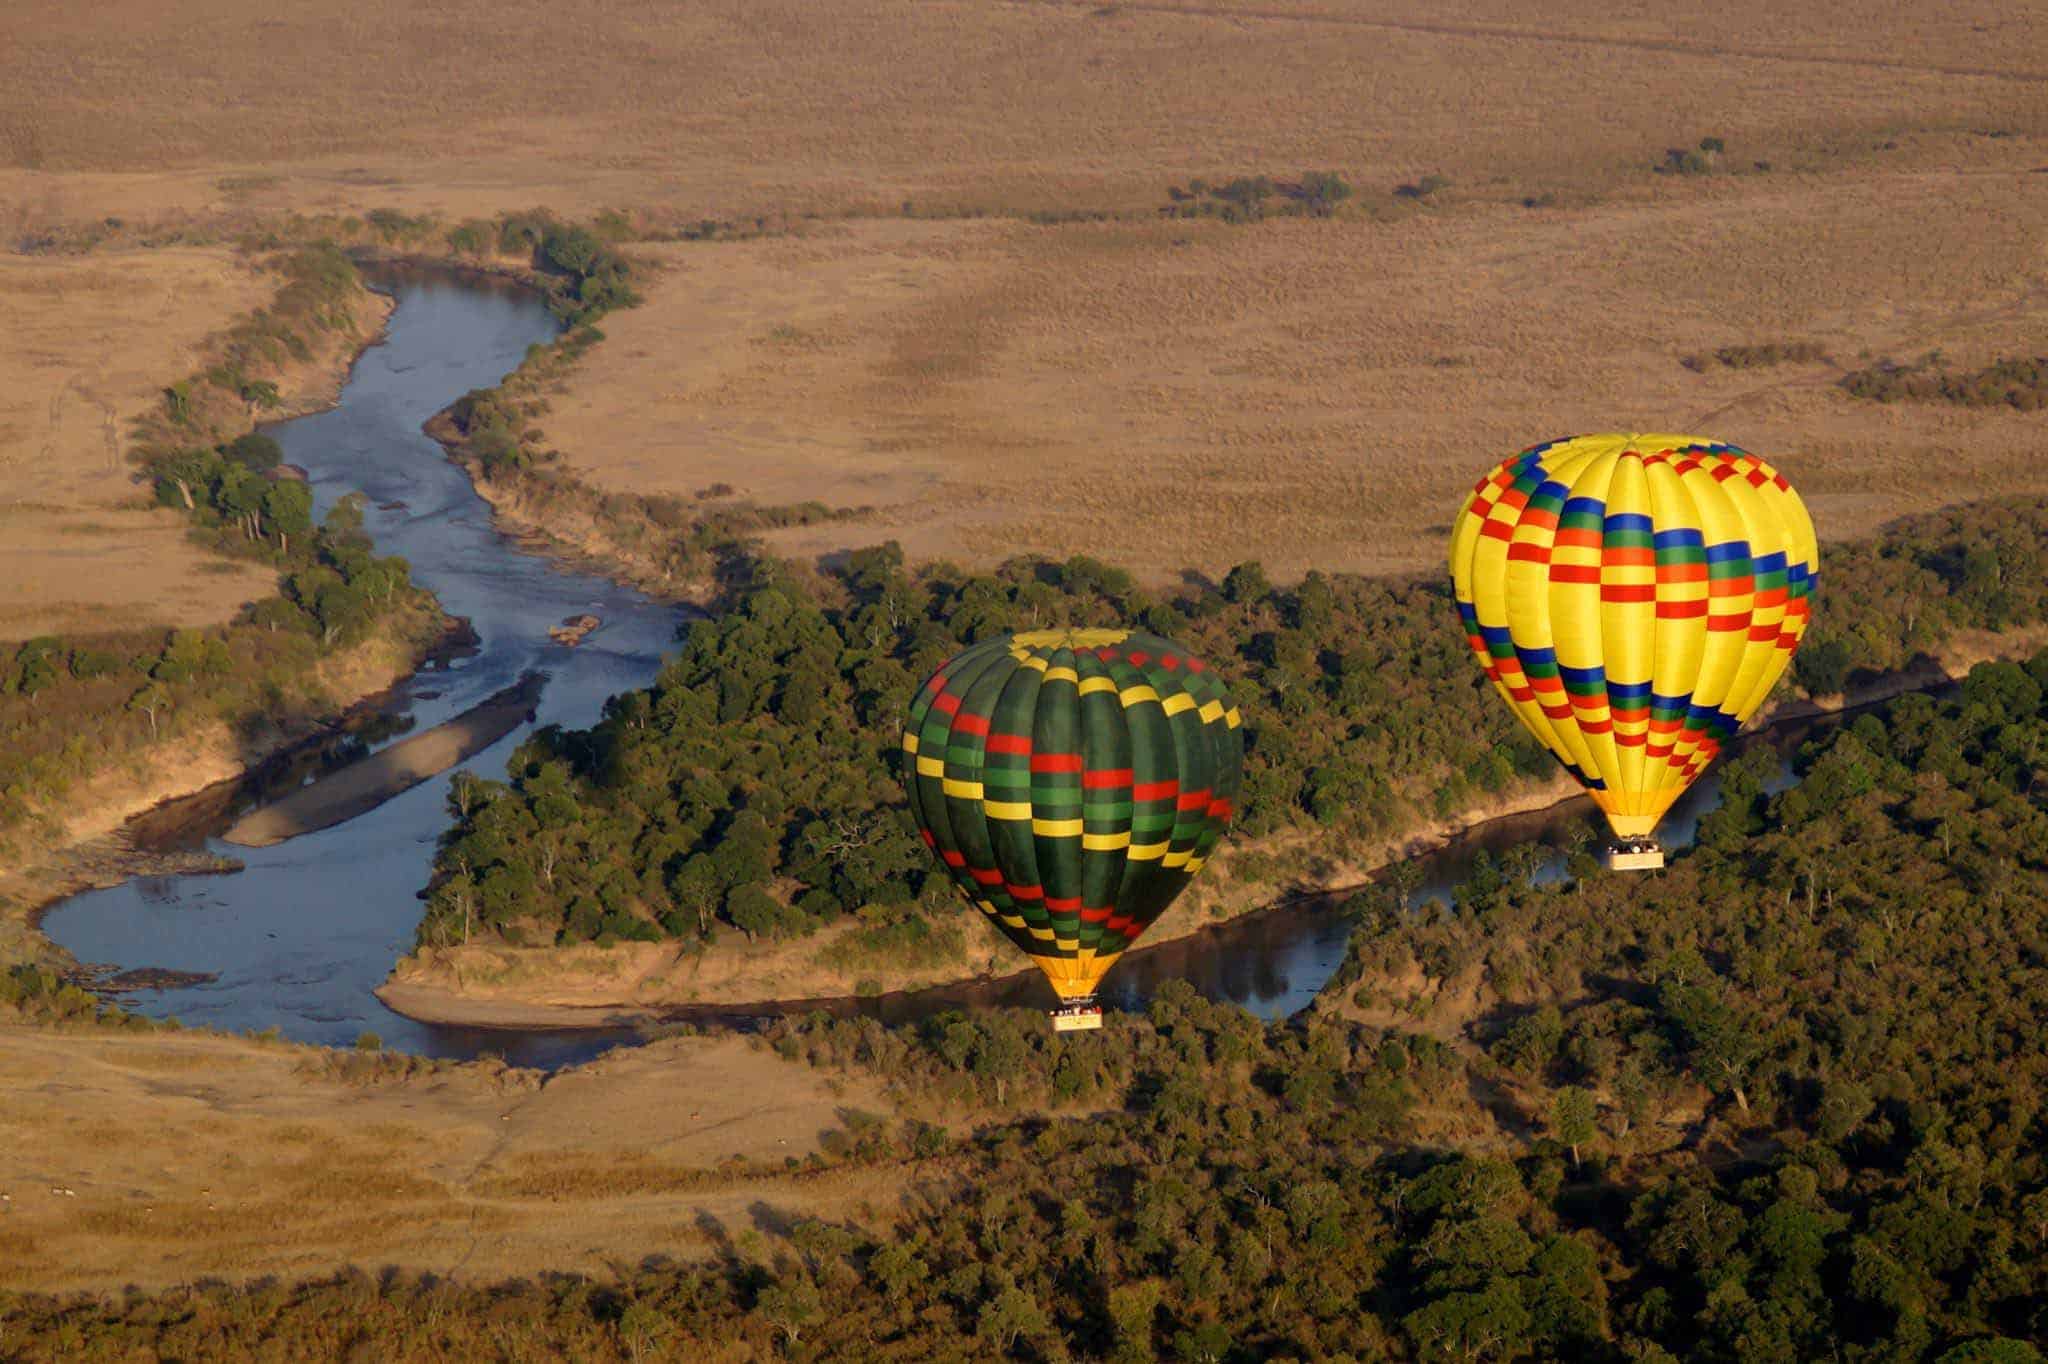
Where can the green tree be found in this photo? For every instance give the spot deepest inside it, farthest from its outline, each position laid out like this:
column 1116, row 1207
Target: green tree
column 1573, row 1119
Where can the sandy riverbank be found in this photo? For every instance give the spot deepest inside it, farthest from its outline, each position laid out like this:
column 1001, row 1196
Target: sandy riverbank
column 363, row 786
column 82, row 844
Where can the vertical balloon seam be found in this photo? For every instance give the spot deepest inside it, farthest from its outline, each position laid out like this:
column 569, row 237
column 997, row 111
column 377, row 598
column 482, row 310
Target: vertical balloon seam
column 1006, row 790
column 1107, row 763
column 1056, row 786
column 1575, row 595
column 1770, row 547
column 1542, row 517
column 1732, row 612
column 1491, row 601
column 944, row 769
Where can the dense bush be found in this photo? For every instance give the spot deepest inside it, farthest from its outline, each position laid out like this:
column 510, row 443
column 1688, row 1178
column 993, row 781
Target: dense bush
column 1761, row 356
column 2017, row 383
column 1782, row 1102
column 1249, row 199
column 759, row 770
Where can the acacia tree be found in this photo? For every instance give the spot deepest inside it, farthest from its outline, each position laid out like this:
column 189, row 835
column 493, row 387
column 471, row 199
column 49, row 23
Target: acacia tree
column 1572, row 1119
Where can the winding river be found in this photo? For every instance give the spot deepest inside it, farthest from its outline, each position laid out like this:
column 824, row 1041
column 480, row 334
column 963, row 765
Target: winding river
column 298, row 940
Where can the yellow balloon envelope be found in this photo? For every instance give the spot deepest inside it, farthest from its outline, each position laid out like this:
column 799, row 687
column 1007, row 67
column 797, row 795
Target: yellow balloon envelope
column 1635, row 598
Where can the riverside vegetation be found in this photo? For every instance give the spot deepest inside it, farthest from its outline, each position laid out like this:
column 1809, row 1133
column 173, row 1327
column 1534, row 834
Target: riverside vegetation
column 1782, row 1102
column 69, row 705
column 753, row 788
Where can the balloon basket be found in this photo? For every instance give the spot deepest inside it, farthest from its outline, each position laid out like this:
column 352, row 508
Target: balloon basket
column 1078, row 1015
column 1635, row 854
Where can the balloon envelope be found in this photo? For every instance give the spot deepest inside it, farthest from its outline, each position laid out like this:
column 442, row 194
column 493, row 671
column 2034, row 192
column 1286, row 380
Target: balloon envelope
column 1073, row 781
column 1635, row 598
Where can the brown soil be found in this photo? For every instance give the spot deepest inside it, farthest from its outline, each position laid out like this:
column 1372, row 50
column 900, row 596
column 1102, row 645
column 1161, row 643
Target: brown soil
column 751, row 106
column 1170, row 395
column 189, row 1155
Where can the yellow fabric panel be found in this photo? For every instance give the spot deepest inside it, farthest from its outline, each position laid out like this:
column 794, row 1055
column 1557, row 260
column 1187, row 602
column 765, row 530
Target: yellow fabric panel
column 1134, row 696
column 1681, row 642
column 1628, row 630
column 1078, row 637
column 1789, row 518
column 1723, row 651
column 931, row 767
column 1077, row 976
column 1575, row 621
column 1489, row 580
column 1766, row 535
column 1092, row 685
column 1178, row 702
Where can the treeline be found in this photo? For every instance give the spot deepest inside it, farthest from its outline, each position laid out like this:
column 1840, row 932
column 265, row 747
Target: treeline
column 68, row 705
column 1764, row 355
column 1253, row 198
column 753, row 786
column 1906, row 591
column 1847, row 977
column 2018, row 383
column 578, row 266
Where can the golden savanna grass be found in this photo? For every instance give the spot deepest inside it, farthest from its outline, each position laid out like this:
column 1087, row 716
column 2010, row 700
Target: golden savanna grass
column 86, row 344
column 1169, row 395
column 190, row 1156
column 1173, row 395
column 743, row 106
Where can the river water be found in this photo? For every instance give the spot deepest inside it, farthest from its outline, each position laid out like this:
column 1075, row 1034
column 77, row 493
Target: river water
column 299, row 939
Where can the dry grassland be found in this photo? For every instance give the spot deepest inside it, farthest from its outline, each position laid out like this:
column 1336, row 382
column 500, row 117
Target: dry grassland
column 136, row 108
column 1314, row 394
column 190, row 1156
column 86, row 345
column 1167, row 395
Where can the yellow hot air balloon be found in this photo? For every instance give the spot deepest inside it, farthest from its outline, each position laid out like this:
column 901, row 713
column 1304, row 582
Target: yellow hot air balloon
column 1635, row 598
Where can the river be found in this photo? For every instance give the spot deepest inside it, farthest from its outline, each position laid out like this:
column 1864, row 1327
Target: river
column 299, row 939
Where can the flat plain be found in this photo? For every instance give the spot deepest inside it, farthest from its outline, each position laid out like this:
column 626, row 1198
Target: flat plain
column 1164, row 393
column 88, row 343
column 169, row 1158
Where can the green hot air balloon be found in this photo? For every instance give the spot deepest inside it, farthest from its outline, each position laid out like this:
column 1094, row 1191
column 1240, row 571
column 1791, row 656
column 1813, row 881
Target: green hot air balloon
column 1073, row 781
